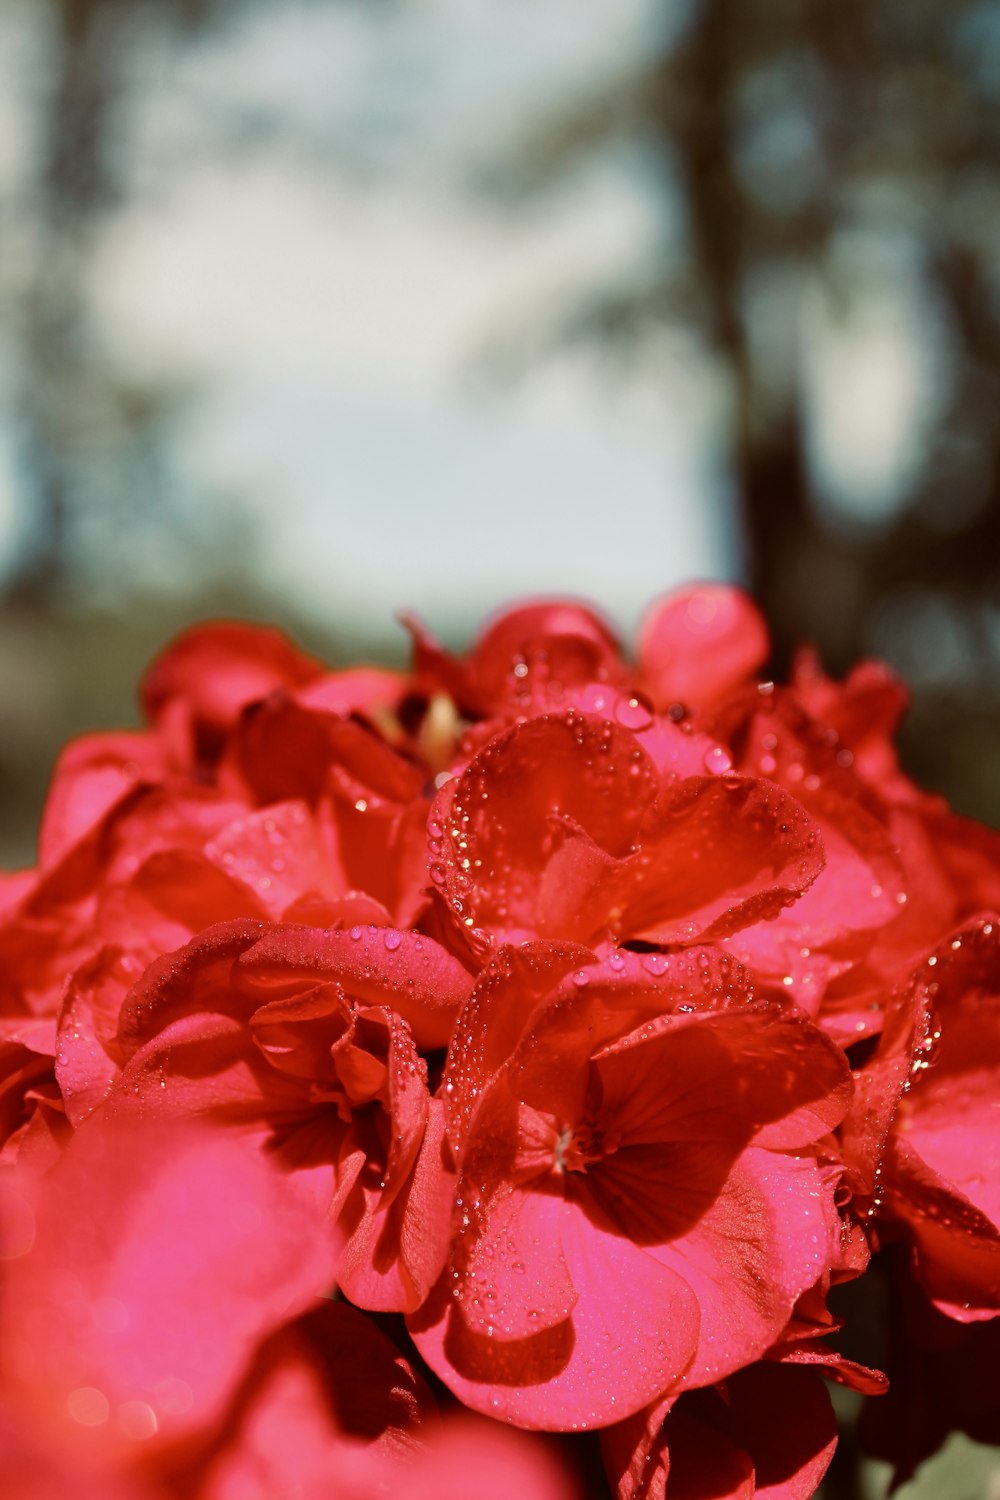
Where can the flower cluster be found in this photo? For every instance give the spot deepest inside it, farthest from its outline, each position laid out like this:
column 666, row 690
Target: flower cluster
column 560, row 1031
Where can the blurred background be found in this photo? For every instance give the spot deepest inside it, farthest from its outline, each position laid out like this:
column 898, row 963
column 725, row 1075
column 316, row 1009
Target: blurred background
column 314, row 310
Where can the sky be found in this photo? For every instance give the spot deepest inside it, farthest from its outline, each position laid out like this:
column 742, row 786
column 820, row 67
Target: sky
column 302, row 252
column 339, row 306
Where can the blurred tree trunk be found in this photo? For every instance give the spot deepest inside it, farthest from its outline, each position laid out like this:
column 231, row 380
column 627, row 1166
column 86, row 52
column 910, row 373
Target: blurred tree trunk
column 74, row 186
column 80, row 422
column 766, row 458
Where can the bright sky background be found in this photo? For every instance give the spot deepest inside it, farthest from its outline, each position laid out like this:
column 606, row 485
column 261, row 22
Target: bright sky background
column 329, row 297
column 338, row 320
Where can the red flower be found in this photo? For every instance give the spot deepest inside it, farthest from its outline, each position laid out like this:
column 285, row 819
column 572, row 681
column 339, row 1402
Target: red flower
column 942, row 1173
column 699, row 645
column 196, row 690
column 138, row 1282
column 738, row 1030
column 265, row 789
column 639, row 1201
column 565, row 827
column 149, row 1284
column 528, row 660
column 767, row 1431
column 901, row 870
column 308, row 1040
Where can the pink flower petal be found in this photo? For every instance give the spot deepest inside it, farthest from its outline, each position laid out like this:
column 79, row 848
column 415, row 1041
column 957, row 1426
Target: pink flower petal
column 161, row 1257
column 769, row 1235
column 197, row 688
column 631, row 1333
column 93, row 775
column 699, row 644
column 494, row 829
column 375, row 965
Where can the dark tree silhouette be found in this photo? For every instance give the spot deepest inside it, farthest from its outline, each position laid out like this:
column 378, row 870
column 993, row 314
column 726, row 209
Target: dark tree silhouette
column 73, row 407
column 779, row 127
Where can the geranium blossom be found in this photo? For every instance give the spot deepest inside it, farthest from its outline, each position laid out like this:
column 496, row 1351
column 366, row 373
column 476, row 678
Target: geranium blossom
column 607, row 1016
column 640, row 1205
column 309, row 1040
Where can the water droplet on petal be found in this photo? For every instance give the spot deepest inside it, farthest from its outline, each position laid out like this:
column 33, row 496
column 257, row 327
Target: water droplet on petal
column 718, row 761
column 632, row 713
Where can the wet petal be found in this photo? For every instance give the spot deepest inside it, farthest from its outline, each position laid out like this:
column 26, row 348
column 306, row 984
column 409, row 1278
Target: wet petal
column 698, row 644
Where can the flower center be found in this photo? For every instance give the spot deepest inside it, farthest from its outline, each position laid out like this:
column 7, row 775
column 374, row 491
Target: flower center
column 579, row 1148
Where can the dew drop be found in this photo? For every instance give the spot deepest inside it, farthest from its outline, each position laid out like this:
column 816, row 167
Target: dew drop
column 632, row 713
column 718, row 761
